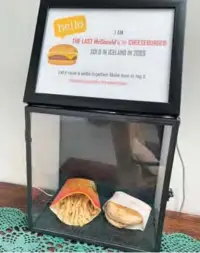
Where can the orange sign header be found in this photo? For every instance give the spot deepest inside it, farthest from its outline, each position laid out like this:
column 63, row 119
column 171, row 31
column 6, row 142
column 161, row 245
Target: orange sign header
column 69, row 26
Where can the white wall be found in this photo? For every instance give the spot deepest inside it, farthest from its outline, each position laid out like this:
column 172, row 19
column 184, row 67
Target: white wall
column 189, row 136
column 17, row 24
column 45, row 130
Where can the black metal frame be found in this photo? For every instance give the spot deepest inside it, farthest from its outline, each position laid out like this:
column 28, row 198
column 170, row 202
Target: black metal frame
column 170, row 108
column 174, row 122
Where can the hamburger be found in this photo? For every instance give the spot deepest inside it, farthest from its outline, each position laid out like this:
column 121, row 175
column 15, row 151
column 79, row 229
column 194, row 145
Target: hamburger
column 62, row 54
column 121, row 216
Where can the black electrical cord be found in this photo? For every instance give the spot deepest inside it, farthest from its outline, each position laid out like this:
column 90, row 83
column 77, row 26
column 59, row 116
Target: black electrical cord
column 183, row 178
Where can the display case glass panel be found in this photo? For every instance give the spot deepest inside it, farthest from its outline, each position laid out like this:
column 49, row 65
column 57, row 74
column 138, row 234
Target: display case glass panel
column 130, row 154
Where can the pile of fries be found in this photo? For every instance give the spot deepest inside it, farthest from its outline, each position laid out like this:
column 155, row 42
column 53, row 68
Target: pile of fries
column 76, row 205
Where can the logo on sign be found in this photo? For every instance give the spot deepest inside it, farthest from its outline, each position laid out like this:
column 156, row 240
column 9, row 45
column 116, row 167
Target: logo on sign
column 69, row 26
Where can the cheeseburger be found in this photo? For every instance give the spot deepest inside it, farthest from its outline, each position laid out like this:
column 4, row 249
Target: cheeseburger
column 62, row 55
column 121, row 216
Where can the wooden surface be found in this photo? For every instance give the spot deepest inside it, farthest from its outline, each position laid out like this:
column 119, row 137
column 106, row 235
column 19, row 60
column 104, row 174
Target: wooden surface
column 12, row 195
column 15, row 196
column 183, row 223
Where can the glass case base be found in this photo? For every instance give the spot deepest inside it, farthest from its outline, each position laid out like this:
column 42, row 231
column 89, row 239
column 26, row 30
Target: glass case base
column 99, row 232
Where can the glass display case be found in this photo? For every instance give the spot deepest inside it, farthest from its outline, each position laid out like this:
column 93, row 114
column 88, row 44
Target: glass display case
column 103, row 102
column 127, row 153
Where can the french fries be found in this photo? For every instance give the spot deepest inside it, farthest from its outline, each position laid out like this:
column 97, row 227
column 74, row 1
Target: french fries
column 77, row 209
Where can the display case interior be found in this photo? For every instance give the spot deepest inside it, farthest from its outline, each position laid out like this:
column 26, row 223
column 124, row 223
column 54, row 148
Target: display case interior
column 130, row 154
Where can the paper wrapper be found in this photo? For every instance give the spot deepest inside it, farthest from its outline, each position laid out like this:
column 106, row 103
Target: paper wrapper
column 135, row 204
column 77, row 203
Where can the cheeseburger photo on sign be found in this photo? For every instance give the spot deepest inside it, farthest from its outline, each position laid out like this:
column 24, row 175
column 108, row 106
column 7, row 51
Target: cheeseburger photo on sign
column 62, row 54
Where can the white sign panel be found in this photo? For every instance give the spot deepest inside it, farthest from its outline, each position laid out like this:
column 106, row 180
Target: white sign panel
column 107, row 53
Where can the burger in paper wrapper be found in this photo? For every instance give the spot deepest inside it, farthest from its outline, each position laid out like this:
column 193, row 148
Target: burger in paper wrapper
column 125, row 211
column 77, row 203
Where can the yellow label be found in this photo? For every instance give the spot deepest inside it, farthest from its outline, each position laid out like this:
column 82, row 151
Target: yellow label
column 69, row 26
